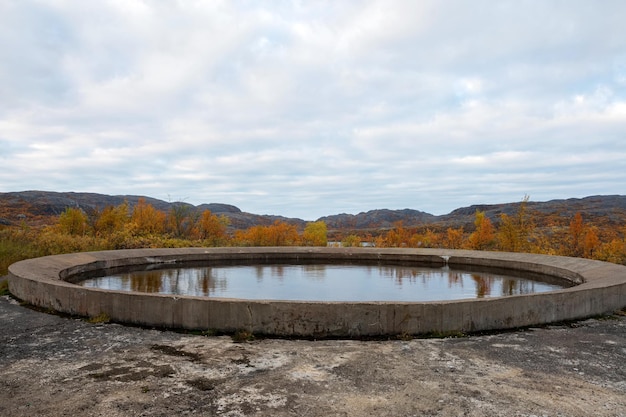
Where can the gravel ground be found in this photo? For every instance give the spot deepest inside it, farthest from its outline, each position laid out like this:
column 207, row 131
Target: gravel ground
column 56, row 366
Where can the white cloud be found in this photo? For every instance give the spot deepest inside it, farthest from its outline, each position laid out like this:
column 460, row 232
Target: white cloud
column 312, row 108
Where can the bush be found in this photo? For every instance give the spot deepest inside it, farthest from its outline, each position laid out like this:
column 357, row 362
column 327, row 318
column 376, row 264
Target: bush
column 16, row 245
column 4, row 287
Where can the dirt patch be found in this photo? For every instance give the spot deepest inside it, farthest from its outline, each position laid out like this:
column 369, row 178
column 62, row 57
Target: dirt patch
column 55, row 366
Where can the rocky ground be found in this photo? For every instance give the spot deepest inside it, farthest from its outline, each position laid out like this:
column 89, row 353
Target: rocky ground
column 56, row 366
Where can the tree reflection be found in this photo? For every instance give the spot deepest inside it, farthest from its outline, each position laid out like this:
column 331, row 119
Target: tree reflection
column 399, row 274
column 363, row 282
column 148, row 281
column 509, row 286
column 316, row 272
column 259, row 271
column 278, row 271
column 483, row 285
column 454, row 278
column 201, row 281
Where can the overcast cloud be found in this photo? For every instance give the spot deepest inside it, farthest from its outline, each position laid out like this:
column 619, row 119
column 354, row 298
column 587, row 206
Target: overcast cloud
column 311, row 108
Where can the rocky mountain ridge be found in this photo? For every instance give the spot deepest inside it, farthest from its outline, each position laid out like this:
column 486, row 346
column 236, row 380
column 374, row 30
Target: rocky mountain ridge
column 43, row 206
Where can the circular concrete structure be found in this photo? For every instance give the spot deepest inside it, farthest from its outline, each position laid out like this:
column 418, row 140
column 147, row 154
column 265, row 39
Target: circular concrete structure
column 46, row 282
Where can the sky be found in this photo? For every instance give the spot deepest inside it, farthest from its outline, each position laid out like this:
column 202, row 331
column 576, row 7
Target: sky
column 312, row 108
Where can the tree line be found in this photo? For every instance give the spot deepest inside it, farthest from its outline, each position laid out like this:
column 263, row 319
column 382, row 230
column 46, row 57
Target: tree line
column 143, row 226
column 520, row 232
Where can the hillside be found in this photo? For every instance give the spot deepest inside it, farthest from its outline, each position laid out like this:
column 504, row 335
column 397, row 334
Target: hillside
column 43, row 207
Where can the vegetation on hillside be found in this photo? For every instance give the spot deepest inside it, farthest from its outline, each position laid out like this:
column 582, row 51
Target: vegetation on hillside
column 143, row 226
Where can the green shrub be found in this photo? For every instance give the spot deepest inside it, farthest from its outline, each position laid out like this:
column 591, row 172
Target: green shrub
column 4, row 287
column 242, row 336
column 100, row 318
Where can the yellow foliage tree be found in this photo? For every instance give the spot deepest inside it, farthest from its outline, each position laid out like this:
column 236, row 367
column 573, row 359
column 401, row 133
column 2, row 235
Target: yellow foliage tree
column 483, row 236
column 73, row 221
column 111, row 220
column 351, row 241
column 514, row 232
column 613, row 251
column 315, row 234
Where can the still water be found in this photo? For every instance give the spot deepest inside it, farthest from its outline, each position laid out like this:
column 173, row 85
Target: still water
column 322, row 282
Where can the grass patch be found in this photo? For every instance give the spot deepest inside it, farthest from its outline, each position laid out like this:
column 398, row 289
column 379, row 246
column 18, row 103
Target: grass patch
column 242, row 336
column 206, row 333
column 4, row 287
column 443, row 335
column 16, row 245
column 100, row 318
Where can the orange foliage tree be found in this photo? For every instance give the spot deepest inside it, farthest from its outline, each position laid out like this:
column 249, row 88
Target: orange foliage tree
column 397, row 237
column 575, row 237
column 212, row 228
column 454, row 238
column 582, row 240
column 146, row 220
column 278, row 234
column 483, row 236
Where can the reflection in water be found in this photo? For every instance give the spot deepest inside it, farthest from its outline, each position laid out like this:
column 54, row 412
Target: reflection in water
column 483, row 286
column 322, row 282
column 197, row 281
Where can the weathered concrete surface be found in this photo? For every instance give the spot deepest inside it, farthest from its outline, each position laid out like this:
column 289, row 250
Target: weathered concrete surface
column 602, row 289
column 53, row 366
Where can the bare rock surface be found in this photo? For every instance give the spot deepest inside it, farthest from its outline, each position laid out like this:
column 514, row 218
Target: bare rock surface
column 56, row 366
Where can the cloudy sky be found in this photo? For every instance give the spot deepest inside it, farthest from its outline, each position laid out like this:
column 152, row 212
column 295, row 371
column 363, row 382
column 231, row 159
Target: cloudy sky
column 311, row 108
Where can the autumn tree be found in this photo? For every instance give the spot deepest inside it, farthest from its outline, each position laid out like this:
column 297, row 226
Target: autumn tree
column 483, row 236
column 146, row 220
column 351, row 241
column 73, row 221
column 380, row 241
column 575, row 239
column 111, row 219
column 427, row 239
column 212, row 228
column 398, row 237
column 454, row 238
column 278, row 234
column 315, row 234
column 182, row 219
column 591, row 243
column 613, row 251
column 283, row 234
column 514, row 232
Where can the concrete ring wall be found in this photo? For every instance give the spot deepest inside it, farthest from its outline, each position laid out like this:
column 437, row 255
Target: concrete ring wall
column 44, row 282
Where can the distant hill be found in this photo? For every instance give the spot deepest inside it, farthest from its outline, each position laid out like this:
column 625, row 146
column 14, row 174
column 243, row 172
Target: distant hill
column 42, row 207
column 611, row 208
column 377, row 219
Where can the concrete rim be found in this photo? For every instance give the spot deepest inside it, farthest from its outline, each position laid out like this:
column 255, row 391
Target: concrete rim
column 601, row 290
